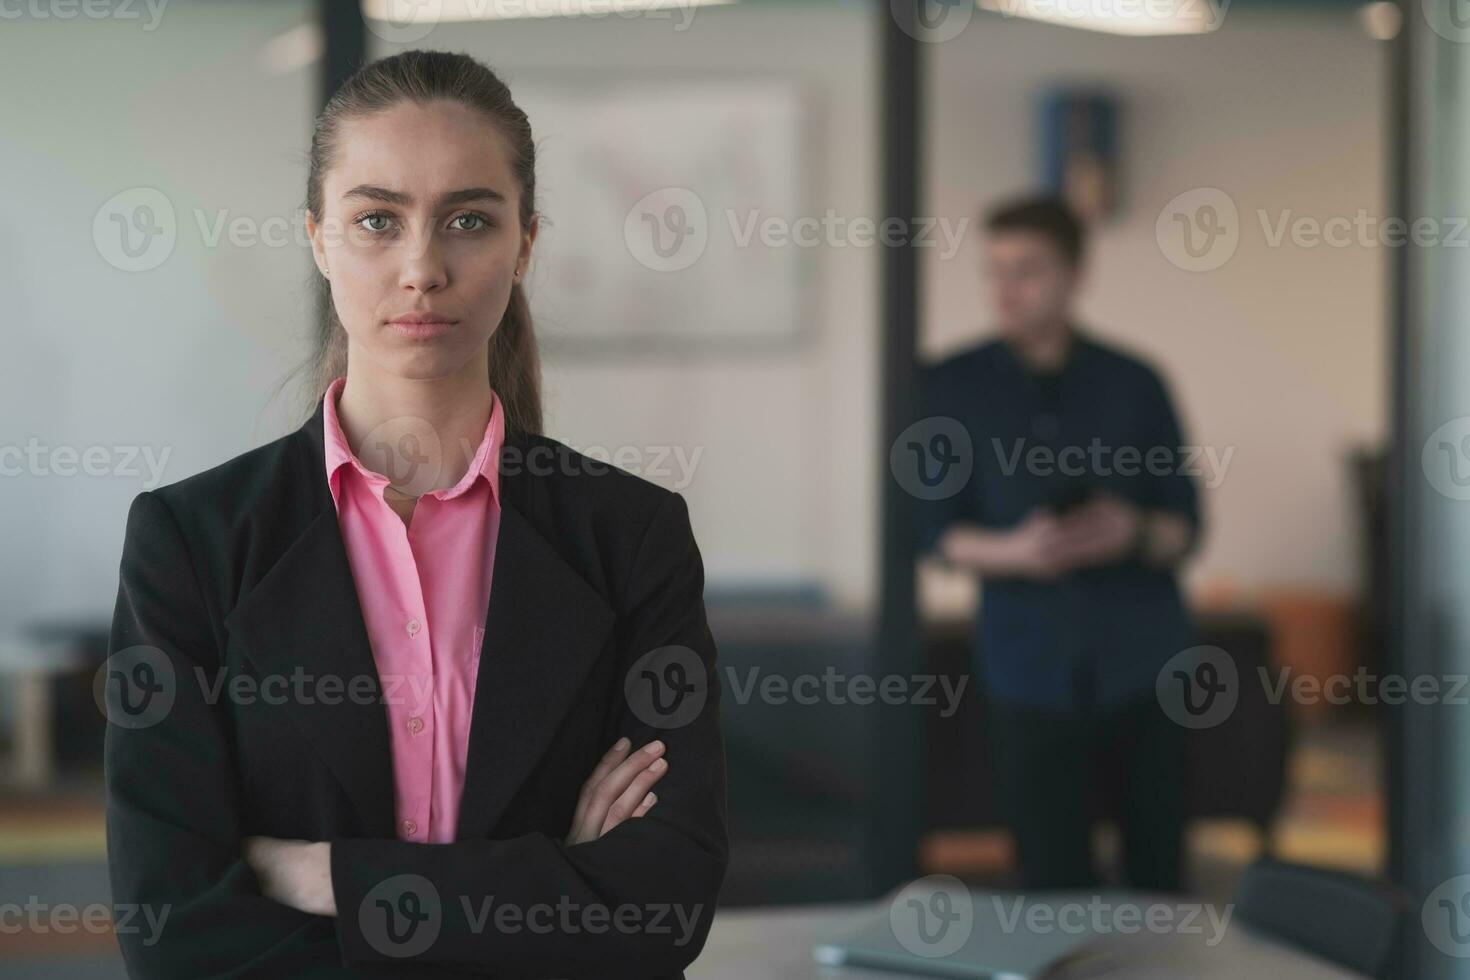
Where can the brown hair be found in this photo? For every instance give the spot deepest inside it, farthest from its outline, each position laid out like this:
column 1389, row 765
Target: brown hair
column 422, row 76
column 1051, row 217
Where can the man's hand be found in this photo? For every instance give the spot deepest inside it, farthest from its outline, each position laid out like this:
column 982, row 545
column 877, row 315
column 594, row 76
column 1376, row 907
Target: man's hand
column 1101, row 531
column 617, row 790
column 1034, row 548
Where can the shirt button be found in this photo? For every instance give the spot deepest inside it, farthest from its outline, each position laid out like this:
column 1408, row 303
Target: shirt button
column 413, row 627
column 410, row 828
column 415, row 725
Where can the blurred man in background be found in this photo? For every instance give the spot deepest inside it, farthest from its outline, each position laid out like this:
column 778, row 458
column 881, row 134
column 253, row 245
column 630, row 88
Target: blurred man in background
column 1078, row 509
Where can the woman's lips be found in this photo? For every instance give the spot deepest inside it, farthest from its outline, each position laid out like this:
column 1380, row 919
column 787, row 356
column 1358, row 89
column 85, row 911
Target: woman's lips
column 421, row 330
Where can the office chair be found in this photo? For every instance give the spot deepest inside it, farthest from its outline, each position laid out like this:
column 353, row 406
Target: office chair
column 1351, row 921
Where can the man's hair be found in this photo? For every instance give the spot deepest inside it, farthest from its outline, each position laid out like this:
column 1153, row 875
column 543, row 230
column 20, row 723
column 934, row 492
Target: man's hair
column 1048, row 216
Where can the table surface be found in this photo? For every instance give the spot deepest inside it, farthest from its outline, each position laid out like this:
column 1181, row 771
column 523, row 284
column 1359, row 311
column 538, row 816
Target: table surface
column 775, row 942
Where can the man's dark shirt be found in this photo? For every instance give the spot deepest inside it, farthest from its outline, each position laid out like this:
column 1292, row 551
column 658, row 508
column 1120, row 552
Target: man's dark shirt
column 1096, row 636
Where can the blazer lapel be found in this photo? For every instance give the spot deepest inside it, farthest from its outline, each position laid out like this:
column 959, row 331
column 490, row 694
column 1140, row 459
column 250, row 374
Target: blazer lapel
column 544, row 627
column 304, row 615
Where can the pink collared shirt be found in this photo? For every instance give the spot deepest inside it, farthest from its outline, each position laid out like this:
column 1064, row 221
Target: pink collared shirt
column 424, row 589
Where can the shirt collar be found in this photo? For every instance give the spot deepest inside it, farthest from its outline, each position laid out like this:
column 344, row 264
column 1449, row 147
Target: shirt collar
column 336, row 451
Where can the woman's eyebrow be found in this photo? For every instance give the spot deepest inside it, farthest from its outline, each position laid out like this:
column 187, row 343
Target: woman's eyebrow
column 375, row 193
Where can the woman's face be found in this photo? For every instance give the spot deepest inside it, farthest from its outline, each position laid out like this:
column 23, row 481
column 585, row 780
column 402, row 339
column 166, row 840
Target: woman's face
column 421, row 217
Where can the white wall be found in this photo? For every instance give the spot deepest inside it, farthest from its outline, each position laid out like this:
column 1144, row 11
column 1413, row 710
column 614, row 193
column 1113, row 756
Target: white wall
column 178, row 358
column 1281, row 352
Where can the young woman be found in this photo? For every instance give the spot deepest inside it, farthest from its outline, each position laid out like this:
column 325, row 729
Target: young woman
column 365, row 678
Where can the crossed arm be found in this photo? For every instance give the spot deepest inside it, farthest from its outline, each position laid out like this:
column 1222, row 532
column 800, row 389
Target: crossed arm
column 299, row 873
column 176, row 839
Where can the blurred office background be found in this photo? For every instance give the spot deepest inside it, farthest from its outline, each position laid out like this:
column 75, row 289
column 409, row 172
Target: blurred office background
column 765, row 381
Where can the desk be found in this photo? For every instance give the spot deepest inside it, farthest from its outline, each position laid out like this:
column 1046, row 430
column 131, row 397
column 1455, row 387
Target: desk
column 775, row 943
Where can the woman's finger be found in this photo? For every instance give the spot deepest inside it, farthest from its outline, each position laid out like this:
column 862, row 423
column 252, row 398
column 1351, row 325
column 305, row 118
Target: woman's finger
column 611, row 787
column 632, row 797
column 605, row 765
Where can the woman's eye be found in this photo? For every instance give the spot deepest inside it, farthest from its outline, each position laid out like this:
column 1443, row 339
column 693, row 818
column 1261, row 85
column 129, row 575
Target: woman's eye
column 471, row 217
column 374, row 216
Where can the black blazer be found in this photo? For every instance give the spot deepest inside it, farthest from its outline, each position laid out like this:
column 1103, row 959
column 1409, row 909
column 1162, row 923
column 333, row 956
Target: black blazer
column 236, row 596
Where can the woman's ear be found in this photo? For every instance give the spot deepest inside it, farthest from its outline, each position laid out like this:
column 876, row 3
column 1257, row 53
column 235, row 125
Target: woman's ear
column 528, row 239
column 318, row 247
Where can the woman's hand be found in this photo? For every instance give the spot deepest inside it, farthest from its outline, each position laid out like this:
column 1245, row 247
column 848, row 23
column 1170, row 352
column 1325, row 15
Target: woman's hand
column 297, row 873
column 617, row 790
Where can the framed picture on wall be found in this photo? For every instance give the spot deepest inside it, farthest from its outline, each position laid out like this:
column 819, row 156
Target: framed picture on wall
column 1079, row 150
column 655, row 198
